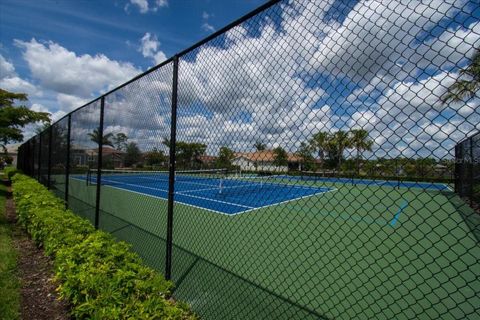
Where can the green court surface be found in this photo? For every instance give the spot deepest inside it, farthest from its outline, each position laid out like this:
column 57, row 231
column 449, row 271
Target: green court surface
column 361, row 251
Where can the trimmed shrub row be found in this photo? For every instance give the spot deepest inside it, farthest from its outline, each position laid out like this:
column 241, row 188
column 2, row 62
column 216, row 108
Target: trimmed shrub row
column 10, row 172
column 100, row 277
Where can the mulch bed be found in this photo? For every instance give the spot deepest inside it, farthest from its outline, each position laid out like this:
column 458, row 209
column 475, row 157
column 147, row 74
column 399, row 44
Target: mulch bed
column 35, row 271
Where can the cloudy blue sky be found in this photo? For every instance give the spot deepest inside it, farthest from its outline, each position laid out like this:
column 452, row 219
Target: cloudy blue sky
column 296, row 69
column 129, row 35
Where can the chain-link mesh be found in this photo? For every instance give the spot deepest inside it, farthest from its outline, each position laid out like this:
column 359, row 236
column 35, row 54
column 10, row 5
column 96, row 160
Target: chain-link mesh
column 59, row 157
column 36, row 149
column 44, row 157
column 85, row 137
column 136, row 124
column 467, row 170
column 317, row 155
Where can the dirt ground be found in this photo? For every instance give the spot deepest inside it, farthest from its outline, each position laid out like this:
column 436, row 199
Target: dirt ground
column 35, row 271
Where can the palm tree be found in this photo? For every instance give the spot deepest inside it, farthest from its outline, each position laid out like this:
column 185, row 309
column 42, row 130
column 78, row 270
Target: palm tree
column 465, row 88
column 260, row 146
column 95, row 137
column 359, row 141
column 320, row 142
column 340, row 141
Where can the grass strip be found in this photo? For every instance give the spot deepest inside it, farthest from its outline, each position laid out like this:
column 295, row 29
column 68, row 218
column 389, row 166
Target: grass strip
column 9, row 284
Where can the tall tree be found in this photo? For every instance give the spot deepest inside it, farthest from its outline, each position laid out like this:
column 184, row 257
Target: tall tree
column 187, row 153
column 339, row 141
column 225, row 157
column 260, row 146
column 468, row 84
column 133, row 154
column 359, row 141
column 305, row 152
column 120, row 141
column 155, row 157
column 15, row 117
column 320, row 142
column 281, row 157
column 95, row 137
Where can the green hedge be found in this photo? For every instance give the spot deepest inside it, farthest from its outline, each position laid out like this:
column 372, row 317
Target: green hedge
column 10, row 172
column 100, row 277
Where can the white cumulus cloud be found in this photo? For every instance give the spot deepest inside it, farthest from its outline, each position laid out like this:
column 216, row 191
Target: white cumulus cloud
column 144, row 6
column 63, row 71
column 150, row 48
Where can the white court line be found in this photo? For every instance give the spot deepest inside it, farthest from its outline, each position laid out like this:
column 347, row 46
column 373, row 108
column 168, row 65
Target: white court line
column 165, row 180
column 219, row 201
column 134, row 185
column 186, row 195
column 178, row 181
column 165, row 199
column 283, row 202
column 249, row 209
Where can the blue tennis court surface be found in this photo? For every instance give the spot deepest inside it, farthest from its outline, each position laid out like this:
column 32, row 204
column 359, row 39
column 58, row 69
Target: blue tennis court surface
column 226, row 196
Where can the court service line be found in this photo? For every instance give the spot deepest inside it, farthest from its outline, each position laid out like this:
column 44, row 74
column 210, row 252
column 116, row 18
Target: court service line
column 249, row 208
column 186, row 195
column 165, row 199
column 219, row 201
column 286, row 201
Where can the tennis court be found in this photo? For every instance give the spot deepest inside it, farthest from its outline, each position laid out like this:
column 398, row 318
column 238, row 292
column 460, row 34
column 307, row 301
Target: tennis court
column 211, row 190
column 364, row 241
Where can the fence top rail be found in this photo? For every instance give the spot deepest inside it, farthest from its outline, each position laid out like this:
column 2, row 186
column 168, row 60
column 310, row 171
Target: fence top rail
column 468, row 138
column 231, row 25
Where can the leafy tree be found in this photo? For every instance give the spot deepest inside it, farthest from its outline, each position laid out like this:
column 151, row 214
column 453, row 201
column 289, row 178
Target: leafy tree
column 305, row 152
column 120, row 141
column 95, row 137
column 155, row 157
column 339, row 141
column 359, row 141
column 166, row 142
column 281, row 157
column 225, row 157
column 260, row 146
column 321, row 142
column 14, row 118
column 187, row 153
column 133, row 154
column 468, row 84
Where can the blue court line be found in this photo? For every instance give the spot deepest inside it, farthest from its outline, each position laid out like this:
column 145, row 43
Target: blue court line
column 397, row 215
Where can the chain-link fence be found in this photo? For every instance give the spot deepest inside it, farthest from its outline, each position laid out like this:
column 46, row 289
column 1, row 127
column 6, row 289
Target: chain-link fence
column 467, row 170
column 299, row 163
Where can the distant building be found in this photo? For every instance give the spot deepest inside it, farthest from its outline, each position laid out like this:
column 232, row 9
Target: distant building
column 264, row 161
column 84, row 157
column 207, row 161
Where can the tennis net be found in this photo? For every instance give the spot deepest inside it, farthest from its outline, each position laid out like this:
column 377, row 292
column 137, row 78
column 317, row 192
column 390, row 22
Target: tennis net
column 117, row 176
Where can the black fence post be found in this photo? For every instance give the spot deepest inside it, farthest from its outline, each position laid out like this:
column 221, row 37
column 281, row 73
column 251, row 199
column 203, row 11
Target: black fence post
column 471, row 175
column 67, row 166
column 39, row 160
column 171, row 178
column 34, row 154
column 49, row 169
column 99, row 165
